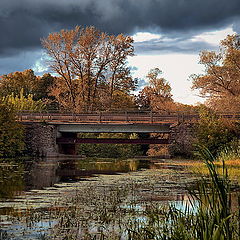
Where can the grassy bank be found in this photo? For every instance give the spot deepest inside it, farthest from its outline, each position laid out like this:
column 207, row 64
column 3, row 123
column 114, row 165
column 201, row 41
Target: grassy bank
column 229, row 157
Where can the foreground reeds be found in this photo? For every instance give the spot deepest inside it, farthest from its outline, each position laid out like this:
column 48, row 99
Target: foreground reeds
column 209, row 215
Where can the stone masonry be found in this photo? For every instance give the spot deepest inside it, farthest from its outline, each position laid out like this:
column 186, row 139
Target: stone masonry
column 40, row 139
column 182, row 139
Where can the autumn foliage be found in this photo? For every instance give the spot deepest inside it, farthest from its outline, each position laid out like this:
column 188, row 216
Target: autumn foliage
column 92, row 67
column 221, row 81
column 156, row 96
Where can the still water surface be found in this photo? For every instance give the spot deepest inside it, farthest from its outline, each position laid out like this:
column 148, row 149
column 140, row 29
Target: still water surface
column 31, row 190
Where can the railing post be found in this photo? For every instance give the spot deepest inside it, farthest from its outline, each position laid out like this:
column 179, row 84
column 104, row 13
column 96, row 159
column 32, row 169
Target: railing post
column 151, row 116
column 126, row 115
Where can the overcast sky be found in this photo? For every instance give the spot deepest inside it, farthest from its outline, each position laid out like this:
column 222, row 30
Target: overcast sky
column 168, row 34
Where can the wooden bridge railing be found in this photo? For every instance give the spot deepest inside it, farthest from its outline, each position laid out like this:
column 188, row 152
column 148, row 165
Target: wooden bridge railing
column 122, row 117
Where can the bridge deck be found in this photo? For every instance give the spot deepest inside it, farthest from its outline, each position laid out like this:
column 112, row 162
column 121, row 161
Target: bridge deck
column 114, row 128
column 128, row 117
column 115, row 118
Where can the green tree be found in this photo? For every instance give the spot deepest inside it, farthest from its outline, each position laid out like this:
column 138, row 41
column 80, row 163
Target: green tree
column 11, row 132
column 43, row 87
column 213, row 132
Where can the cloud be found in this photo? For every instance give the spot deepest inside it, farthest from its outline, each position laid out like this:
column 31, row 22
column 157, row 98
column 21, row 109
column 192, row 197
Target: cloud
column 24, row 22
column 21, row 61
column 172, row 45
column 30, row 20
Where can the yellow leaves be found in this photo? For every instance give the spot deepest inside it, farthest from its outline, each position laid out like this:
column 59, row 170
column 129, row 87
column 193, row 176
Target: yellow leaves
column 122, row 100
column 23, row 103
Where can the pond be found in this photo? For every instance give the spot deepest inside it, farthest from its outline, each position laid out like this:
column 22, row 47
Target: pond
column 53, row 196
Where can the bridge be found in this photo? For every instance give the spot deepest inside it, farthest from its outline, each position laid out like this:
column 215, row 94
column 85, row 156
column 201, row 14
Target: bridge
column 133, row 117
column 146, row 117
column 67, row 125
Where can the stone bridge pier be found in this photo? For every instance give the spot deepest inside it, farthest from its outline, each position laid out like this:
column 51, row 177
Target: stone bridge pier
column 40, row 139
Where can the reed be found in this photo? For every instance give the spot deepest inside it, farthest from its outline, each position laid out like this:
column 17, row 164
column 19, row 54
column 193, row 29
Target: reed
column 211, row 219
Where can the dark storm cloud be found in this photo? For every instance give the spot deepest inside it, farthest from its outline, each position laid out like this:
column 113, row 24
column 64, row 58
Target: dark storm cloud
column 24, row 22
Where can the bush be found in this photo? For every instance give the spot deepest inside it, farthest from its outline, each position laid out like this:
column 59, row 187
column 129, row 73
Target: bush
column 213, row 132
column 109, row 150
column 24, row 103
column 11, row 132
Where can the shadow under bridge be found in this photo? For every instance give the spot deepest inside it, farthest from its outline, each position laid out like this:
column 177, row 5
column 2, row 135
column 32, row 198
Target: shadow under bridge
column 68, row 134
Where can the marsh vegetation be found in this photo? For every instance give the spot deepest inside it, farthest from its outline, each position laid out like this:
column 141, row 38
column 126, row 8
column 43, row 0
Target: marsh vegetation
column 164, row 202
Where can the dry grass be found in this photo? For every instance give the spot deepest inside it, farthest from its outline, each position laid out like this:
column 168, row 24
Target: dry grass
column 233, row 167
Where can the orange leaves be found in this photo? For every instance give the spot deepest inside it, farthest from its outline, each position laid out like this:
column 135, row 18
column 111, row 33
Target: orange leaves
column 157, row 96
column 92, row 64
column 221, row 80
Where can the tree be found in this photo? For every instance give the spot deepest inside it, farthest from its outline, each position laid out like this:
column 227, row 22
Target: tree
column 15, row 82
column 221, row 81
column 157, row 95
column 43, row 87
column 23, row 103
column 89, row 62
column 213, row 132
column 112, row 150
column 26, row 83
column 11, row 132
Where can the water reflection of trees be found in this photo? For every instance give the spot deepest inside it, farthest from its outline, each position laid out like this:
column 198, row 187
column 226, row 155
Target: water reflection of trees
column 11, row 179
column 111, row 165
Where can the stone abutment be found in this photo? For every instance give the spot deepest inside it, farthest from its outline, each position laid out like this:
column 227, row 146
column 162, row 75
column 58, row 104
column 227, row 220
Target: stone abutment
column 182, row 139
column 40, row 139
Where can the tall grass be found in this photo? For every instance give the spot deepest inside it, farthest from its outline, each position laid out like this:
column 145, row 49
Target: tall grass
column 211, row 218
column 214, row 219
column 230, row 152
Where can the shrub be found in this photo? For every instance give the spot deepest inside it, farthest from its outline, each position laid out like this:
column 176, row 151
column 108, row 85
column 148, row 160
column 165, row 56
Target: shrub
column 24, row 103
column 11, row 132
column 213, row 132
